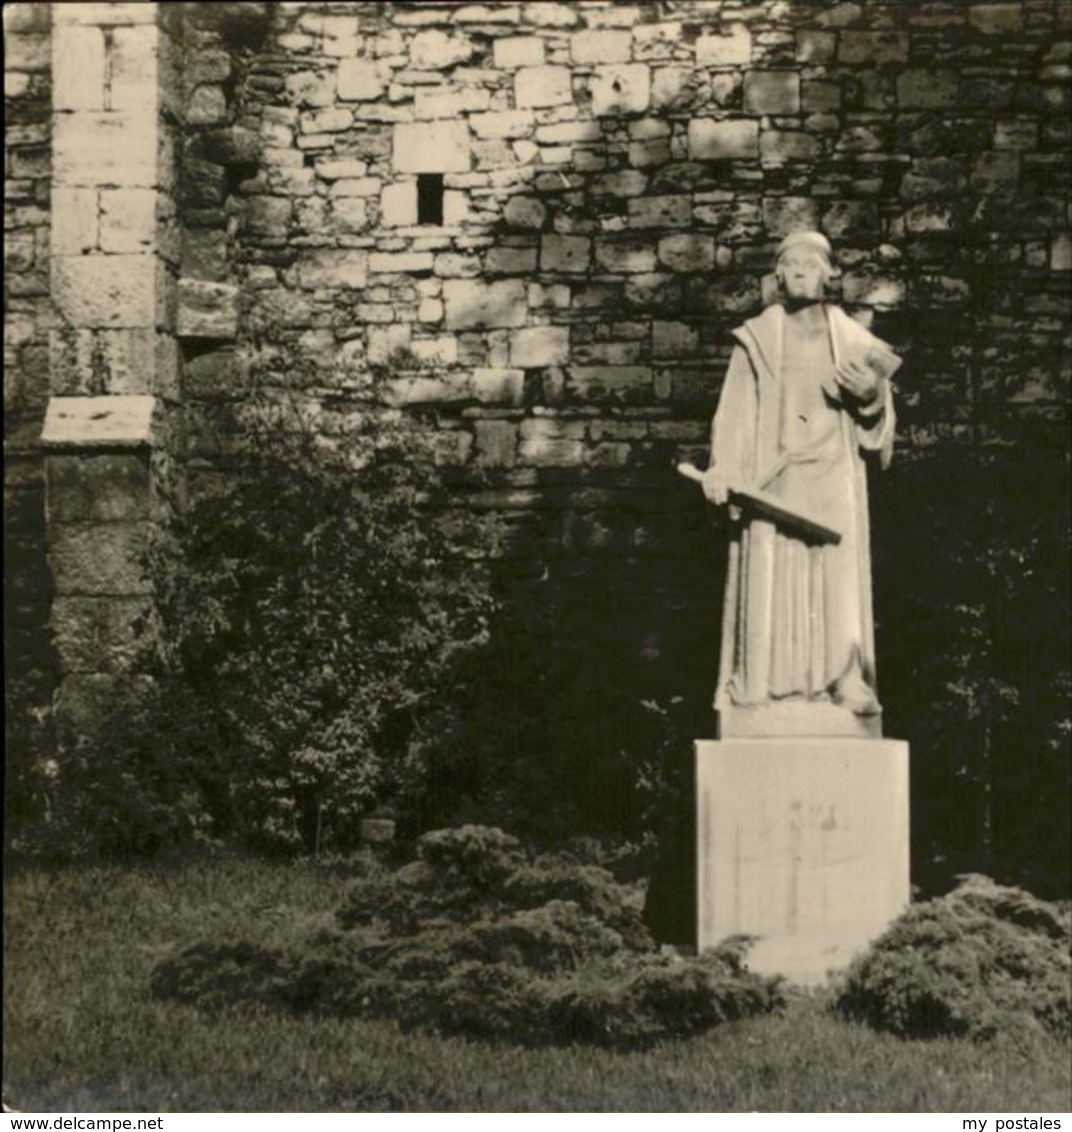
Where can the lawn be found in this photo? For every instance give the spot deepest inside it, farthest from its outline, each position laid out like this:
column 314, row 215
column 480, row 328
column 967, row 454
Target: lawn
column 83, row 1034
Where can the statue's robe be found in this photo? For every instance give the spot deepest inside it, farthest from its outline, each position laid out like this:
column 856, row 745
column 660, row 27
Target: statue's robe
column 798, row 654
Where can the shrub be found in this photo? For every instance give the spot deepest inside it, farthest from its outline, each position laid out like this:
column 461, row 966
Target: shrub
column 982, row 961
column 320, row 596
column 475, row 939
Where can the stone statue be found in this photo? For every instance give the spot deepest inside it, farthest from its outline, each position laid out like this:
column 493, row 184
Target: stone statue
column 806, row 395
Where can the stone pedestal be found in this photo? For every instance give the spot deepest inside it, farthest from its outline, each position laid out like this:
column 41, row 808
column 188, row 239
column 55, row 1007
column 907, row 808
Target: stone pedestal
column 804, row 843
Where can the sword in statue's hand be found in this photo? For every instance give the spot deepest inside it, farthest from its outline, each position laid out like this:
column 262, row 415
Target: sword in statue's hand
column 790, row 520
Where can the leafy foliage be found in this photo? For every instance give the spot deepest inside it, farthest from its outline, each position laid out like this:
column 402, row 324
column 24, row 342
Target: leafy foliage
column 474, row 938
column 983, row 961
column 321, row 597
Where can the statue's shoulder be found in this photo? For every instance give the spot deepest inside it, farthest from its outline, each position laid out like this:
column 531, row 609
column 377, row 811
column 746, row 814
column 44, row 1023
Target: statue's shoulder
column 762, row 327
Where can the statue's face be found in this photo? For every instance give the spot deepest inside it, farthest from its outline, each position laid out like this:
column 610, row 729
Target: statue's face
column 803, row 274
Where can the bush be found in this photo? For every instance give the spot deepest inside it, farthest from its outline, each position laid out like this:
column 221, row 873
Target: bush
column 320, row 598
column 983, row 961
column 474, row 938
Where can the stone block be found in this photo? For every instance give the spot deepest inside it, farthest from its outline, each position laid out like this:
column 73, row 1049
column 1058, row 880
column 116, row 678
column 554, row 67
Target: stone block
column 625, row 256
column 510, row 261
column 207, row 310
column 620, row 183
column 782, row 215
column 313, row 88
column 496, row 443
column 603, row 46
column 803, row 843
column 135, row 70
column 206, row 106
column 330, row 120
column 127, row 220
column 927, row 88
column 873, row 47
column 687, row 252
column 431, row 147
column 519, row 51
column 232, row 145
column 542, row 86
column 211, row 376
column 422, row 390
column 673, row 339
column 108, row 148
column 333, row 267
column 772, row 92
column 503, row 124
column 430, row 310
column 730, row 48
column 105, row 290
column 205, row 254
column 438, row 352
column 815, row 46
column 398, row 205
column 492, row 386
column 78, row 68
column 268, row 216
column 26, row 51
column 99, row 422
column 656, row 41
column 471, row 303
column 711, row 140
column 622, row 89
column 350, row 215
column 117, row 14
column 445, row 102
column 611, row 383
column 386, row 341
column 933, row 177
column 537, row 346
column 670, row 211
column 543, row 452
column 99, row 558
column 850, row 218
column 102, row 487
column 129, row 361
column 995, row 19
column 433, row 50
column 102, row 634
column 779, row 146
column 360, row 80
column 544, row 14
column 873, row 289
column 75, row 221
column 1061, row 252
column 565, row 253
column 394, row 262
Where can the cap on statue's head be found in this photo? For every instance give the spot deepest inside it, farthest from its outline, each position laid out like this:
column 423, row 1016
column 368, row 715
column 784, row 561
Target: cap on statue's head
column 812, row 241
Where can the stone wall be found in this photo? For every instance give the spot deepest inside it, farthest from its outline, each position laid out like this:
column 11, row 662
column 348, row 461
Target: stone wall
column 27, row 165
column 533, row 225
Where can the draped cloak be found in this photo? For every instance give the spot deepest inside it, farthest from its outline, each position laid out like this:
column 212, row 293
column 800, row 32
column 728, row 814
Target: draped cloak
column 797, row 619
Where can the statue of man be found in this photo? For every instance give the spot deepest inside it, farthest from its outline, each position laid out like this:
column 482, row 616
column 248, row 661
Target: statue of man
column 806, row 396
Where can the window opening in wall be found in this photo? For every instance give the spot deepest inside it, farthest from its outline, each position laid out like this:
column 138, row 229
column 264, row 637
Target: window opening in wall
column 429, row 198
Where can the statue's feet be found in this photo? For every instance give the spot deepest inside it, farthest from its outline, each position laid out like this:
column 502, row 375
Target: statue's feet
column 852, row 691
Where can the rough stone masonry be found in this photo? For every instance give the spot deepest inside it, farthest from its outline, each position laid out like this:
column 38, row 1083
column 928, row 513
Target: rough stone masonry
column 531, row 225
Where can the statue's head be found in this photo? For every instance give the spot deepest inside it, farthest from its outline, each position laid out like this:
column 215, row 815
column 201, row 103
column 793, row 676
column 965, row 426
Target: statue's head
column 804, row 266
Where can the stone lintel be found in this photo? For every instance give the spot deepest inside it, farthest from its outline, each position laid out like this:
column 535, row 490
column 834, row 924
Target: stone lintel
column 802, row 843
column 124, row 421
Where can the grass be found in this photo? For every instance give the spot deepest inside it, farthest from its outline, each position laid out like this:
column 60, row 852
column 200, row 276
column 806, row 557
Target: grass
column 82, row 1033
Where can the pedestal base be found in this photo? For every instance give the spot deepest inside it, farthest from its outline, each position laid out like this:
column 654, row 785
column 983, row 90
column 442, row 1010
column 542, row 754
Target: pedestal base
column 804, row 843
